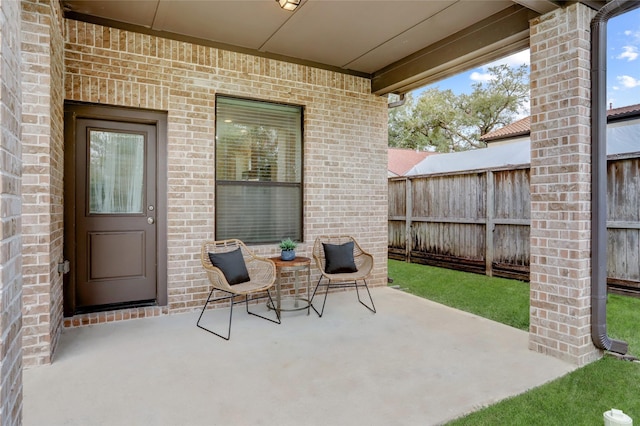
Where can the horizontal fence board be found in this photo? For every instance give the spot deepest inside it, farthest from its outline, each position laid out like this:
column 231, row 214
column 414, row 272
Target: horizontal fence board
column 449, row 262
column 622, row 225
column 460, row 220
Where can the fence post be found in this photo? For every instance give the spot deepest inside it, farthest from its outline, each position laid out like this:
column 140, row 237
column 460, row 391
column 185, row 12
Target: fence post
column 408, row 205
column 489, row 224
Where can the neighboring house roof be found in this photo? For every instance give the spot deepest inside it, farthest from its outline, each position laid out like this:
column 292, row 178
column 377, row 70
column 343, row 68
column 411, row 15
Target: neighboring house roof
column 623, row 112
column 523, row 127
column 623, row 138
column 512, row 154
column 517, row 128
column 401, row 160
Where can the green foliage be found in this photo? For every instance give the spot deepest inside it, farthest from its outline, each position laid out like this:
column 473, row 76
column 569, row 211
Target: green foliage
column 579, row 398
column 287, row 244
column 399, row 132
column 623, row 318
column 465, row 291
column 442, row 121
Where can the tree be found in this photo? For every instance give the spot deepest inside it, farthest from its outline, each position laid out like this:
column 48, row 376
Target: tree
column 442, row 121
column 399, row 131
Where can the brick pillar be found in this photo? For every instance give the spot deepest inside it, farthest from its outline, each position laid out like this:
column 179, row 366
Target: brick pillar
column 10, row 205
column 561, row 185
column 42, row 178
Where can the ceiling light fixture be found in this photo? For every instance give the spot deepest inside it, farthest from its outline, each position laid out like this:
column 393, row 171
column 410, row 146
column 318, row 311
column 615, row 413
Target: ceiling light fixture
column 289, row 4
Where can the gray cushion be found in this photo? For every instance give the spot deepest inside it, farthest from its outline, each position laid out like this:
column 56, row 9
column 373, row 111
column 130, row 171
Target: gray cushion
column 232, row 266
column 339, row 258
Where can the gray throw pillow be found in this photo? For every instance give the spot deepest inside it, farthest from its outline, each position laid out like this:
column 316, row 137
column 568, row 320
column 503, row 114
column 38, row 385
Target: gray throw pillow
column 232, row 266
column 339, row 258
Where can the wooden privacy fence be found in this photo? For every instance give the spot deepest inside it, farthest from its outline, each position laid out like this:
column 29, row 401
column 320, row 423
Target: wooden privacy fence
column 479, row 221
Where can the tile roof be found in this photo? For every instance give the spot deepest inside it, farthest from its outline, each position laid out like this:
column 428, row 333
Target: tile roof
column 623, row 111
column 517, row 128
column 401, row 160
column 523, row 127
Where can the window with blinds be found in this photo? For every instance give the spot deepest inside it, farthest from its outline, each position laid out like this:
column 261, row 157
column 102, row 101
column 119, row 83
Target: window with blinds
column 258, row 170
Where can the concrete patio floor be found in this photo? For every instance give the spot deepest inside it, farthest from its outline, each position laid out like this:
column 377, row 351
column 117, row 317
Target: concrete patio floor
column 415, row 362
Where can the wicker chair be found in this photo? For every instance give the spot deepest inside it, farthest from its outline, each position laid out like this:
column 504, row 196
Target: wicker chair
column 363, row 264
column 262, row 276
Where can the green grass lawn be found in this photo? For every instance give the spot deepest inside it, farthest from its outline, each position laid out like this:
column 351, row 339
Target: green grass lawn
column 579, row 398
column 473, row 293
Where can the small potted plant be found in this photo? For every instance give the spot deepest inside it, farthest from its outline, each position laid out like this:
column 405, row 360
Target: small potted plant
column 288, row 247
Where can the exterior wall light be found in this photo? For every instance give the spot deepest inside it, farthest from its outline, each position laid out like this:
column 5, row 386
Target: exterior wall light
column 289, row 4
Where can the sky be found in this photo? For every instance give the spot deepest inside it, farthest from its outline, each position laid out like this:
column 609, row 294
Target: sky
column 623, row 59
column 623, row 64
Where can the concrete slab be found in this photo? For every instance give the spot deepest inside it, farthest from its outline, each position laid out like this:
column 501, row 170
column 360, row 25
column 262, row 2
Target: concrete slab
column 415, row 362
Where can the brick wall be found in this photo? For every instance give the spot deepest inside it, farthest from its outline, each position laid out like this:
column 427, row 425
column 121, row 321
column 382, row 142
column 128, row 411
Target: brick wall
column 561, row 185
column 42, row 190
column 345, row 140
column 10, row 238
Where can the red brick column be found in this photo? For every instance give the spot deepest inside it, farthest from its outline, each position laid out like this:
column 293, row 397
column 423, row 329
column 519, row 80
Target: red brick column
column 561, row 185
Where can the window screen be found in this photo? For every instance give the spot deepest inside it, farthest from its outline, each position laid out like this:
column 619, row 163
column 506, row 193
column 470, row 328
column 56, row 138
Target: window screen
column 258, row 170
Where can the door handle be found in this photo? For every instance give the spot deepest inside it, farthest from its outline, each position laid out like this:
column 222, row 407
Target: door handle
column 150, row 220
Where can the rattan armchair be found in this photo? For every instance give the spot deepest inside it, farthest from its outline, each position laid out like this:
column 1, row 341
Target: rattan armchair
column 362, row 267
column 261, row 274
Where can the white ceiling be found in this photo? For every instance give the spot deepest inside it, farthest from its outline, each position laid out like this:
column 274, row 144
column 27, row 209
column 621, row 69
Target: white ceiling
column 364, row 37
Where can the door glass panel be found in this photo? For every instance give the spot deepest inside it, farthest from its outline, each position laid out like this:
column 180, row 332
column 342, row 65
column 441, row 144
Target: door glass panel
column 116, row 172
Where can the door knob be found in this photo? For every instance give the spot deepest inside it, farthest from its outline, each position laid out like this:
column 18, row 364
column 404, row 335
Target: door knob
column 150, row 220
